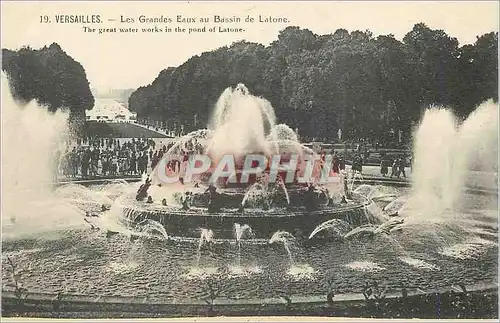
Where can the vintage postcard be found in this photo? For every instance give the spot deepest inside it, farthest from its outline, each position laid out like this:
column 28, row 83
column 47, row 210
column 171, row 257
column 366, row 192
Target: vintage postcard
column 249, row 159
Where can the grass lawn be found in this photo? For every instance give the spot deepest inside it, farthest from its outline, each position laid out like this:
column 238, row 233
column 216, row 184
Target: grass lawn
column 119, row 130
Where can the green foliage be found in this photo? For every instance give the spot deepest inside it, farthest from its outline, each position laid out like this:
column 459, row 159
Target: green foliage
column 49, row 76
column 363, row 84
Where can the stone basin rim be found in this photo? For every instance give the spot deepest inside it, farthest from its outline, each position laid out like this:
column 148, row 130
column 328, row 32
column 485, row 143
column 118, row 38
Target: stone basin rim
column 296, row 299
column 365, row 180
column 361, row 202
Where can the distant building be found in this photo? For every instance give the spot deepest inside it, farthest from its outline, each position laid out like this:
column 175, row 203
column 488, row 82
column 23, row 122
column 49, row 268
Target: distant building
column 110, row 110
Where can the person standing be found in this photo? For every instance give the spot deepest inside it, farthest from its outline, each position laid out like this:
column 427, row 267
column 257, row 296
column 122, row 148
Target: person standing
column 336, row 164
column 144, row 163
column 384, row 167
column 78, row 161
column 402, row 165
column 105, row 162
column 114, row 164
column 126, row 165
column 133, row 163
column 85, row 162
column 394, row 168
column 342, row 163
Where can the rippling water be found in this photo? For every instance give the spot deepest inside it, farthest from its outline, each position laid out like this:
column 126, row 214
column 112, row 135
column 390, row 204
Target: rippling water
column 419, row 256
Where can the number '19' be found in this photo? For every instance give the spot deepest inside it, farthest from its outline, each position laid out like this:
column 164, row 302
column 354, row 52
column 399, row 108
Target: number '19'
column 44, row 19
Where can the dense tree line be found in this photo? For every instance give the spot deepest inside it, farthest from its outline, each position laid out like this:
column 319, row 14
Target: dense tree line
column 49, row 76
column 368, row 86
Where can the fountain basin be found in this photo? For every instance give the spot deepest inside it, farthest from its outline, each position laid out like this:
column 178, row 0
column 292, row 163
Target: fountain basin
column 44, row 304
column 299, row 221
column 89, row 264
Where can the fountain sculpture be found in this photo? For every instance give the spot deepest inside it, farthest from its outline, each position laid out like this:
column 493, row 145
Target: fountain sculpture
column 244, row 125
column 248, row 235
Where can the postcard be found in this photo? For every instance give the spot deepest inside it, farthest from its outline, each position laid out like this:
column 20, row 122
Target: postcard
column 249, row 160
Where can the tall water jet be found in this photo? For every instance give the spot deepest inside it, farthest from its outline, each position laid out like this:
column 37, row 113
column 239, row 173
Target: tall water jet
column 257, row 195
column 239, row 231
column 296, row 271
column 283, row 132
column 281, row 184
column 240, row 124
column 433, row 166
column 445, row 152
column 206, row 236
column 285, row 238
column 244, row 125
column 33, row 140
column 477, row 145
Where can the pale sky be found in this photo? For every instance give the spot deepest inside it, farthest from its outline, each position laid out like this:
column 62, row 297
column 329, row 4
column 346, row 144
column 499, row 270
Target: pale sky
column 118, row 60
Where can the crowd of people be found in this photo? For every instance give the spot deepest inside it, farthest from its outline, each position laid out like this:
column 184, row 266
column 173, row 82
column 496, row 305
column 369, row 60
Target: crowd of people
column 338, row 161
column 397, row 166
column 107, row 157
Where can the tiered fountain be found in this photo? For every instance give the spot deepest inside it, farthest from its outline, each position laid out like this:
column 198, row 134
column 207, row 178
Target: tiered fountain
column 445, row 233
column 242, row 125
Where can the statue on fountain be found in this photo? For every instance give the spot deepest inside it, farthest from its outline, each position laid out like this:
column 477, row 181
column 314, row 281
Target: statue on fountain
column 185, row 201
column 278, row 195
column 265, row 197
column 347, row 192
column 142, row 192
column 213, row 203
column 310, row 201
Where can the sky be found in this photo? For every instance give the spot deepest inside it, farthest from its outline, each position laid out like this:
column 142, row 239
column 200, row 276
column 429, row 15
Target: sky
column 115, row 60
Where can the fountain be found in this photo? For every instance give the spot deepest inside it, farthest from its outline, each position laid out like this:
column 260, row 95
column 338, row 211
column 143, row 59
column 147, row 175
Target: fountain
column 448, row 155
column 243, row 125
column 295, row 271
column 206, row 236
column 33, row 140
column 345, row 231
column 284, row 238
column 239, row 231
column 338, row 227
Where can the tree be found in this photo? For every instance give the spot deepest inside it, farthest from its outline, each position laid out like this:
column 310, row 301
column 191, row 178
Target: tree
column 364, row 85
column 50, row 77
